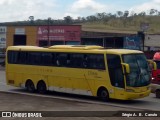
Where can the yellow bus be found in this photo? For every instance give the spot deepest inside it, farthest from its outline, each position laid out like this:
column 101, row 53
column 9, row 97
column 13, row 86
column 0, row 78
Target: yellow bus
column 86, row 70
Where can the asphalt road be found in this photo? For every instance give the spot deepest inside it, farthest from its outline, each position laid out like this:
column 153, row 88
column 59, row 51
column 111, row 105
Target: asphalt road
column 148, row 103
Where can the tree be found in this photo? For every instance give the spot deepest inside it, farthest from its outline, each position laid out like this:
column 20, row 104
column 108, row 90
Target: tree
column 91, row 18
column 126, row 13
column 120, row 13
column 79, row 18
column 142, row 14
column 68, row 19
column 83, row 19
column 152, row 11
column 156, row 11
column 31, row 18
column 101, row 16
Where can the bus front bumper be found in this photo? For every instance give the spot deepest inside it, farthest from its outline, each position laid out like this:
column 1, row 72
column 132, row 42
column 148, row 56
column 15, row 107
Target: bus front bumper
column 132, row 95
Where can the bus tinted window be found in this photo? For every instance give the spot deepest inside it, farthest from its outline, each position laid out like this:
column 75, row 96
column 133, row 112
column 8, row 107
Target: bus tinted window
column 47, row 59
column 95, row 61
column 13, row 57
column 34, row 58
column 76, row 60
column 61, row 59
column 22, row 58
column 113, row 61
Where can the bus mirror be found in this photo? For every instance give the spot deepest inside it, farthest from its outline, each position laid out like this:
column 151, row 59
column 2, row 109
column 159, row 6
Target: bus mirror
column 152, row 65
column 126, row 67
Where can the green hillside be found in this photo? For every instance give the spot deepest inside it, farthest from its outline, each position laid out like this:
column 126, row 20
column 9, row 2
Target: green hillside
column 128, row 25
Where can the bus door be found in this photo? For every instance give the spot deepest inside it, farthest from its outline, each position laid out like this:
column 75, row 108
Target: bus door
column 116, row 75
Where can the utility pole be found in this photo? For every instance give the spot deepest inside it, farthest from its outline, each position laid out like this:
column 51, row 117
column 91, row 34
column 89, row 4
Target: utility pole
column 142, row 37
column 144, row 27
column 48, row 41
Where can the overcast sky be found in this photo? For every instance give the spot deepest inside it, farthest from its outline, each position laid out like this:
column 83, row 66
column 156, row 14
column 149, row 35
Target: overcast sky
column 18, row 10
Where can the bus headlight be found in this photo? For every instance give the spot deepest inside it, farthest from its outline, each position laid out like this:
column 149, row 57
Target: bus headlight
column 153, row 78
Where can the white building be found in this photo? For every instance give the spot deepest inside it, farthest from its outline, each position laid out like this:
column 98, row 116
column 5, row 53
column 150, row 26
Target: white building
column 3, row 31
column 152, row 41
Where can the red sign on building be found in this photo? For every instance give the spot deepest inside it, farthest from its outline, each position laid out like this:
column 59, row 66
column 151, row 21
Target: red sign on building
column 59, row 33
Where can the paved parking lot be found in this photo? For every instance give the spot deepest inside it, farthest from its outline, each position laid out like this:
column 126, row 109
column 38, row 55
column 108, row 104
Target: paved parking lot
column 2, row 68
column 18, row 102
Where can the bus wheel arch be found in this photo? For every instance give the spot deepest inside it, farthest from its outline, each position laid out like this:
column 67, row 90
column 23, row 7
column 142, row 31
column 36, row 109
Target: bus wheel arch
column 30, row 86
column 103, row 93
column 41, row 87
column 157, row 92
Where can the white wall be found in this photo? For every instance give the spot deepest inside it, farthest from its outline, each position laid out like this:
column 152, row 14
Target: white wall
column 152, row 40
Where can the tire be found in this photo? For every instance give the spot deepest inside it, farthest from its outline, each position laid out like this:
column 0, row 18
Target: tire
column 30, row 86
column 157, row 93
column 103, row 94
column 41, row 87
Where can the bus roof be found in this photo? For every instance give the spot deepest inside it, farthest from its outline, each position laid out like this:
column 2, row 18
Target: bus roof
column 75, row 48
column 123, row 51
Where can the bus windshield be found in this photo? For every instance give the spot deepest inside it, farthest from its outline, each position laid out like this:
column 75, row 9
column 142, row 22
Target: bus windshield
column 139, row 70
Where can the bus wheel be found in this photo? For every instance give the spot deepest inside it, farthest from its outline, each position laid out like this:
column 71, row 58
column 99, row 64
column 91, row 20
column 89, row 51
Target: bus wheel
column 30, row 86
column 41, row 87
column 157, row 93
column 103, row 94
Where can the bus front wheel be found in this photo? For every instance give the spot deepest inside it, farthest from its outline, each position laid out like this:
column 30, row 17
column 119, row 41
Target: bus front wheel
column 41, row 87
column 30, row 86
column 103, row 94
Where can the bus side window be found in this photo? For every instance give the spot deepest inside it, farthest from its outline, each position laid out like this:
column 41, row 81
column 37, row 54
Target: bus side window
column 85, row 61
column 53, row 59
column 68, row 60
column 91, row 64
column 12, row 57
column 34, row 58
column 100, row 62
column 57, row 59
column 46, row 59
column 76, row 60
column 29, row 60
column 62, row 59
column 94, row 61
column 16, row 57
column 22, row 57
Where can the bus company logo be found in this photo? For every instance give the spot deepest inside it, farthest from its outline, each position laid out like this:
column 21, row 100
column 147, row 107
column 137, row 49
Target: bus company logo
column 39, row 31
column 6, row 114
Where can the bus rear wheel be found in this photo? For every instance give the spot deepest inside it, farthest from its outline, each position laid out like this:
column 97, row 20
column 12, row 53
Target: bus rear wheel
column 30, row 86
column 157, row 93
column 103, row 94
column 41, row 87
